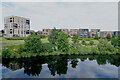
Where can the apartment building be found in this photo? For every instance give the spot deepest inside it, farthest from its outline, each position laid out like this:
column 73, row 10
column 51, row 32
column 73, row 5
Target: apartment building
column 73, row 31
column 105, row 33
column 15, row 26
column 83, row 33
column 65, row 30
column 116, row 33
column 46, row 32
column 94, row 32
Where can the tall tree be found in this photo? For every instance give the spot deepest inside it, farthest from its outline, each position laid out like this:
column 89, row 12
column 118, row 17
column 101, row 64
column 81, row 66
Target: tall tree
column 96, row 36
column 75, row 38
column 62, row 41
column 119, row 41
column 53, row 36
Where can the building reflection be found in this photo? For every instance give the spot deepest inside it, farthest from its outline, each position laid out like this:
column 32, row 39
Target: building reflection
column 56, row 64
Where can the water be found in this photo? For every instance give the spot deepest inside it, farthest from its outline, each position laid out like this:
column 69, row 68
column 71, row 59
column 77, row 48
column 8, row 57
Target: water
column 74, row 66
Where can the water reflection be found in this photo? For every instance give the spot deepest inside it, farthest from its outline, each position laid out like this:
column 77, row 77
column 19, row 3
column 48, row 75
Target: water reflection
column 59, row 65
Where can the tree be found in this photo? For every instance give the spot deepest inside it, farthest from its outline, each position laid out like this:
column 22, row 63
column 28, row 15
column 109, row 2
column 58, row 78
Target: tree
column 104, row 46
column 108, row 36
column 113, row 36
column 102, row 36
column 33, row 44
column 75, row 38
column 89, row 36
column 62, row 41
column 119, row 41
column 114, row 42
column 53, row 36
column 96, row 36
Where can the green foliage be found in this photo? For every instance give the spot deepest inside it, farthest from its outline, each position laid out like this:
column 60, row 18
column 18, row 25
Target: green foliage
column 91, row 42
column 5, row 53
column 16, row 38
column 113, row 36
column 89, row 36
column 33, row 44
column 75, row 38
column 119, row 41
column 96, row 36
column 114, row 42
column 105, row 47
column 102, row 36
column 53, row 36
column 108, row 36
column 86, row 39
column 62, row 41
column 83, row 42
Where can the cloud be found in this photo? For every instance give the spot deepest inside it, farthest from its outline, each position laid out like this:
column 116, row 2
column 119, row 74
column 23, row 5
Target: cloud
column 65, row 15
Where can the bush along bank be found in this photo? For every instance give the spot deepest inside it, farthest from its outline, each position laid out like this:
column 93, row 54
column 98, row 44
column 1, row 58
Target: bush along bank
column 59, row 45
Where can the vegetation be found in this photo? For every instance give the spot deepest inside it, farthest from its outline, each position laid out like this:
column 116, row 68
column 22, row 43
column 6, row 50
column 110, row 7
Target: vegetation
column 58, row 43
column 108, row 36
column 53, row 36
column 33, row 44
column 91, row 43
column 62, row 42
column 96, row 36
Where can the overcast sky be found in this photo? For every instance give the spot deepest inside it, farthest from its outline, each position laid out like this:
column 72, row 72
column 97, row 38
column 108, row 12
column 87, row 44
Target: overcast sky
column 103, row 15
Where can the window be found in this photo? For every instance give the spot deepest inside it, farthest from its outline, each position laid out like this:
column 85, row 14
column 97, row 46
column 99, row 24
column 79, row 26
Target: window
column 10, row 19
column 15, row 26
column 10, row 31
column 21, row 32
column 5, row 25
column 27, row 22
column 27, row 32
column 46, row 30
column 93, row 34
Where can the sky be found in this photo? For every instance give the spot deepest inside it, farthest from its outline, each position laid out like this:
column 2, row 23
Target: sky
column 64, row 14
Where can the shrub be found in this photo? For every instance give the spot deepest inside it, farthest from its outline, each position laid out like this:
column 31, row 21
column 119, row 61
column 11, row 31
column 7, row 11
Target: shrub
column 17, row 38
column 33, row 44
column 96, row 36
column 5, row 53
column 83, row 42
column 62, row 41
column 86, row 39
column 114, row 42
column 91, row 42
column 104, row 46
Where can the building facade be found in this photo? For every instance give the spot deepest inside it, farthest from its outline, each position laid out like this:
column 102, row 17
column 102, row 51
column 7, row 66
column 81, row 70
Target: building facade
column 94, row 32
column 46, row 32
column 15, row 26
column 73, row 31
column 116, row 33
column 65, row 30
column 83, row 33
column 105, row 33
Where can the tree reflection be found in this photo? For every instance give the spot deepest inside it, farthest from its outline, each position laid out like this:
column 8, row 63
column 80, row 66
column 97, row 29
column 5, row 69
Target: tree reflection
column 74, row 63
column 56, row 64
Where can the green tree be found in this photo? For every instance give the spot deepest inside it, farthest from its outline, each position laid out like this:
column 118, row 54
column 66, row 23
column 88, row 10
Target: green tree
column 108, row 36
column 62, row 41
column 96, row 36
column 89, row 36
column 75, row 38
column 113, row 36
column 33, row 44
column 53, row 36
column 114, row 42
column 104, row 46
column 119, row 41
column 102, row 36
